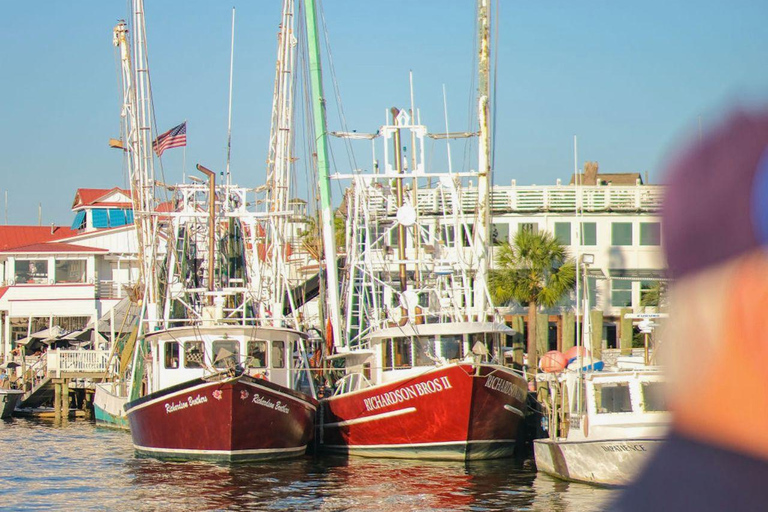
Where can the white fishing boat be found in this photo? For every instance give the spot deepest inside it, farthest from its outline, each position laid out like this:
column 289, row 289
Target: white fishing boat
column 623, row 421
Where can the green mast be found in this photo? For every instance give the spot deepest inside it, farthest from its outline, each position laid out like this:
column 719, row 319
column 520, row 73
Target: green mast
column 321, row 139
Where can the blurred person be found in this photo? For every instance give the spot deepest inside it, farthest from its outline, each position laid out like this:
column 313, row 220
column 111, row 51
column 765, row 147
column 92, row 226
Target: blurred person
column 715, row 234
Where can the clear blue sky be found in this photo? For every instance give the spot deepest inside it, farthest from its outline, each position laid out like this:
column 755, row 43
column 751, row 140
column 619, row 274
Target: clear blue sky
column 629, row 79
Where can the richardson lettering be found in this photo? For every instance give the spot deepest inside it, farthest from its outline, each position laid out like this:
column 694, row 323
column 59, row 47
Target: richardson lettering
column 269, row 404
column 623, row 448
column 505, row 387
column 407, row 393
column 190, row 402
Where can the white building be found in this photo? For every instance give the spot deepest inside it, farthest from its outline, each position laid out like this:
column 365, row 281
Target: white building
column 68, row 277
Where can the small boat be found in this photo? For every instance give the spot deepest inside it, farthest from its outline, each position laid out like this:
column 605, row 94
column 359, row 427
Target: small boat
column 109, row 405
column 9, row 398
column 624, row 419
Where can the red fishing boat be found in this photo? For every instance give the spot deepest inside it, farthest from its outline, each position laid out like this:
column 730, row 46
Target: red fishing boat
column 420, row 367
column 238, row 405
column 446, row 410
column 220, row 369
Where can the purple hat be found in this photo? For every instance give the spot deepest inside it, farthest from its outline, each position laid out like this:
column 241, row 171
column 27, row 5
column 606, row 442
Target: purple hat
column 716, row 203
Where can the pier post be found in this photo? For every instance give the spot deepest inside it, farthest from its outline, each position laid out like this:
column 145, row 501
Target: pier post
column 596, row 321
column 57, row 399
column 65, row 398
column 625, row 332
column 569, row 331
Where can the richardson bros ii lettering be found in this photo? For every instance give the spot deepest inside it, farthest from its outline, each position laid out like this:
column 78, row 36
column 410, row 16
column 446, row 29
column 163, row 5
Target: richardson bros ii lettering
column 505, row 387
column 407, row 393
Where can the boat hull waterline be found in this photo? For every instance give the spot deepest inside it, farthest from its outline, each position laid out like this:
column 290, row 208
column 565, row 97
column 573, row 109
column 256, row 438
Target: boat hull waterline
column 455, row 412
column 604, row 462
column 109, row 408
column 9, row 399
column 233, row 419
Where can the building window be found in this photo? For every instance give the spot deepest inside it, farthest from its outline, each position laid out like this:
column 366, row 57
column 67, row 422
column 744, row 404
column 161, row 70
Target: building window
column 530, row 227
column 31, row 272
column 621, row 233
column 500, row 233
column 79, row 222
column 70, row 271
column 650, row 233
column 563, row 232
column 588, row 233
column 621, row 293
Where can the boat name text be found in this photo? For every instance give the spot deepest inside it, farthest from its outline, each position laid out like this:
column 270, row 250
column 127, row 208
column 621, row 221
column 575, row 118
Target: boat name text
column 407, row 393
column 506, row 387
column 623, row 448
column 266, row 402
column 191, row 402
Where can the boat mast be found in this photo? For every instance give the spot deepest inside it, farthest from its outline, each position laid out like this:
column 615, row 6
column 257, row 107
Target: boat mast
column 137, row 122
column 482, row 225
column 321, row 138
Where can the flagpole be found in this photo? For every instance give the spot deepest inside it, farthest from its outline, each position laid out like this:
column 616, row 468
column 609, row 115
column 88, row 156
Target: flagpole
column 184, row 160
column 229, row 123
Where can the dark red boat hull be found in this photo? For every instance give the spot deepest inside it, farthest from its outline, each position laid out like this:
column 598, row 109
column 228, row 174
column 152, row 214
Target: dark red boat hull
column 238, row 418
column 455, row 412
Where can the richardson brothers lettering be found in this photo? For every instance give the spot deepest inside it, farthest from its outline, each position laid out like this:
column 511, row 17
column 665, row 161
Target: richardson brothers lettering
column 191, row 402
column 407, row 393
column 505, row 387
column 266, row 402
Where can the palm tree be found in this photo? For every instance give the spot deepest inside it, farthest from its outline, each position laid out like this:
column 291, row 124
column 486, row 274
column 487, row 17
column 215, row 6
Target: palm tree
column 534, row 270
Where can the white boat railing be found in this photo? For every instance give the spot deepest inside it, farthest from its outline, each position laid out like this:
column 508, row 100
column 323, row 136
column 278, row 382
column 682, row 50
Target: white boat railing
column 76, row 361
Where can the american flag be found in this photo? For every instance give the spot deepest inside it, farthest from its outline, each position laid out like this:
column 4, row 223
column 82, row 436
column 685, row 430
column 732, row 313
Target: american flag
column 173, row 138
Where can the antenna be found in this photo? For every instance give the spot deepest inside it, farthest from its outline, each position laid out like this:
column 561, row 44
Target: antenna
column 229, row 122
column 448, row 140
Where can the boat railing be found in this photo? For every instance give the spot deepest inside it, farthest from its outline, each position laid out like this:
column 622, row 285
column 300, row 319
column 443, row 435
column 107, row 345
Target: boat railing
column 76, row 361
column 352, row 382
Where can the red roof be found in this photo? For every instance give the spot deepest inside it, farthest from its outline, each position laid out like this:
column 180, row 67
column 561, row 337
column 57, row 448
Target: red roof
column 52, row 247
column 91, row 196
column 3, row 290
column 18, row 236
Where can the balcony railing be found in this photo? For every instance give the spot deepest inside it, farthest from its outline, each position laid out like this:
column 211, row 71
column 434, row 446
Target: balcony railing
column 76, row 361
column 532, row 199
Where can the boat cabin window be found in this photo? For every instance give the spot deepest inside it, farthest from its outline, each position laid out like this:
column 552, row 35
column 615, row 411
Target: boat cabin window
column 654, row 399
column 278, row 354
column 423, row 345
column 226, row 353
column 612, row 397
column 171, row 354
column 479, row 340
column 397, row 353
column 452, row 346
column 257, row 353
column 193, row 354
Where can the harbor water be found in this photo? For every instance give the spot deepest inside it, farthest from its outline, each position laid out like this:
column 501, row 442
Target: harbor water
column 77, row 466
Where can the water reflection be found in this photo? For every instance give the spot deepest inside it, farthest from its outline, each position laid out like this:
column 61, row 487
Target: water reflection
column 75, row 465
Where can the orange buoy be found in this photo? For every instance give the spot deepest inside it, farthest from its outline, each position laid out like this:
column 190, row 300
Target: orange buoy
column 553, row 362
column 573, row 352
